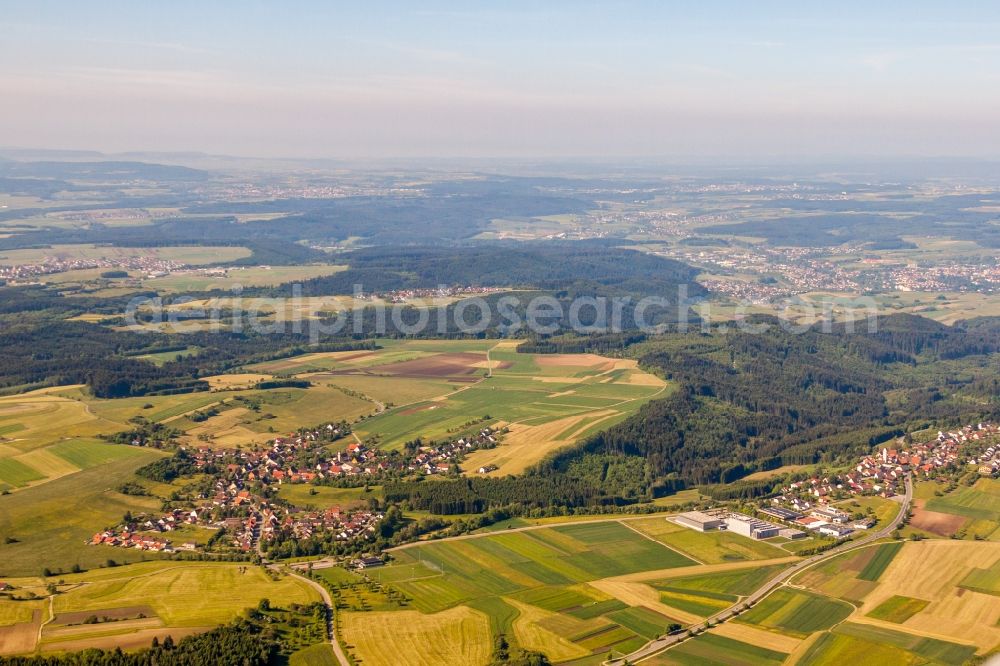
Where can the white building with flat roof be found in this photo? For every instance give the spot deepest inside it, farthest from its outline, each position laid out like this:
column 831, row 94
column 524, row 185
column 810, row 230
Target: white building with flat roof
column 751, row 527
column 698, row 520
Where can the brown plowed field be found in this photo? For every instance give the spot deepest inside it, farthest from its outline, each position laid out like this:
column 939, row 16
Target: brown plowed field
column 935, row 522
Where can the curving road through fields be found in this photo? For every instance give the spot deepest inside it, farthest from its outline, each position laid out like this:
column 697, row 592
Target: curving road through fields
column 338, row 652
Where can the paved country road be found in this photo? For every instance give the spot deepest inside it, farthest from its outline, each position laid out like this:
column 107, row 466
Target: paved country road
column 338, row 652
column 660, row 644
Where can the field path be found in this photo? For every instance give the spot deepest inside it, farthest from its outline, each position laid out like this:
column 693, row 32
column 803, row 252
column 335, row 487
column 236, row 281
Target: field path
column 660, row 543
column 526, row 528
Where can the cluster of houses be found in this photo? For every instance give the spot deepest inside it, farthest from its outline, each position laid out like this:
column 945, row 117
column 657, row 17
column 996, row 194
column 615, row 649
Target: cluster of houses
column 882, row 473
column 258, row 521
column 822, row 519
column 124, row 538
column 239, row 501
column 439, row 458
column 807, row 502
column 301, row 459
column 405, row 295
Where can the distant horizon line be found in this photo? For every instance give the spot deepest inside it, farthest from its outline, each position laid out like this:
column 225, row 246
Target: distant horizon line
column 718, row 159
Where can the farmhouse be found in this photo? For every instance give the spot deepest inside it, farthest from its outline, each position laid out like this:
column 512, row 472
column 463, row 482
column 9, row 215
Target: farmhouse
column 368, row 562
column 697, row 520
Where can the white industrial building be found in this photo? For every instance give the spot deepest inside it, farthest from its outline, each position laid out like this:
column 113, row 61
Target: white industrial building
column 751, row 527
column 698, row 520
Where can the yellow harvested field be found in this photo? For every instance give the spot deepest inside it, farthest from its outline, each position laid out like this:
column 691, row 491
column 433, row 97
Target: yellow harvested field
column 795, row 657
column 531, row 634
column 235, row 381
column 755, row 636
column 47, row 417
column 486, row 364
column 454, row 637
column 638, row 594
column 777, row 471
column 48, row 463
column 524, row 444
column 76, row 631
column 574, row 361
column 128, row 641
column 226, row 429
column 931, row 570
column 181, row 594
column 20, row 638
column 644, row 379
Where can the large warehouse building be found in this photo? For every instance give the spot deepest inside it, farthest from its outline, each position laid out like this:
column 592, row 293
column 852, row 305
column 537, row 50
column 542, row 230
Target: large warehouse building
column 751, row 527
column 697, row 520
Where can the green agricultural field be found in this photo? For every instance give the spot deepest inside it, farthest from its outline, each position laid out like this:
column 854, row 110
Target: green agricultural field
column 708, row 594
column 435, row 388
column 702, row 604
column 254, row 416
column 852, row 641
column 645, row 622
column 314, row 655
column 898, row 609
column 323, row 497
column 14, row 474
column 255, row 276
column 986, row 581
column 980, row 502
column 880, row 561
column 557, row 598
column 52, row 523
column 840, row 576
column 733, row 584
column 537, row 579
column 160, row 358
column 160, row 407
column 40, row 418
column 837, row 649
column 712, row 649
column 796, row 612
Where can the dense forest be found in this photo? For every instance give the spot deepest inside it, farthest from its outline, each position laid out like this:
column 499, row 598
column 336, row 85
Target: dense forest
column 748, row 401
column 443, row 212
column 41, row 348
column 560, row 267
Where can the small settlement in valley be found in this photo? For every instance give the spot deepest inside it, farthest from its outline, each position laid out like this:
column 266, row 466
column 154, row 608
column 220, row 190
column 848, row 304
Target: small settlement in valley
column 238, row 496
column 809, row 504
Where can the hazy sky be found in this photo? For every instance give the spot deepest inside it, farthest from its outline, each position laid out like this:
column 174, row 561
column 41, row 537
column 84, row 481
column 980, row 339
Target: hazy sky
column 423, row 78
